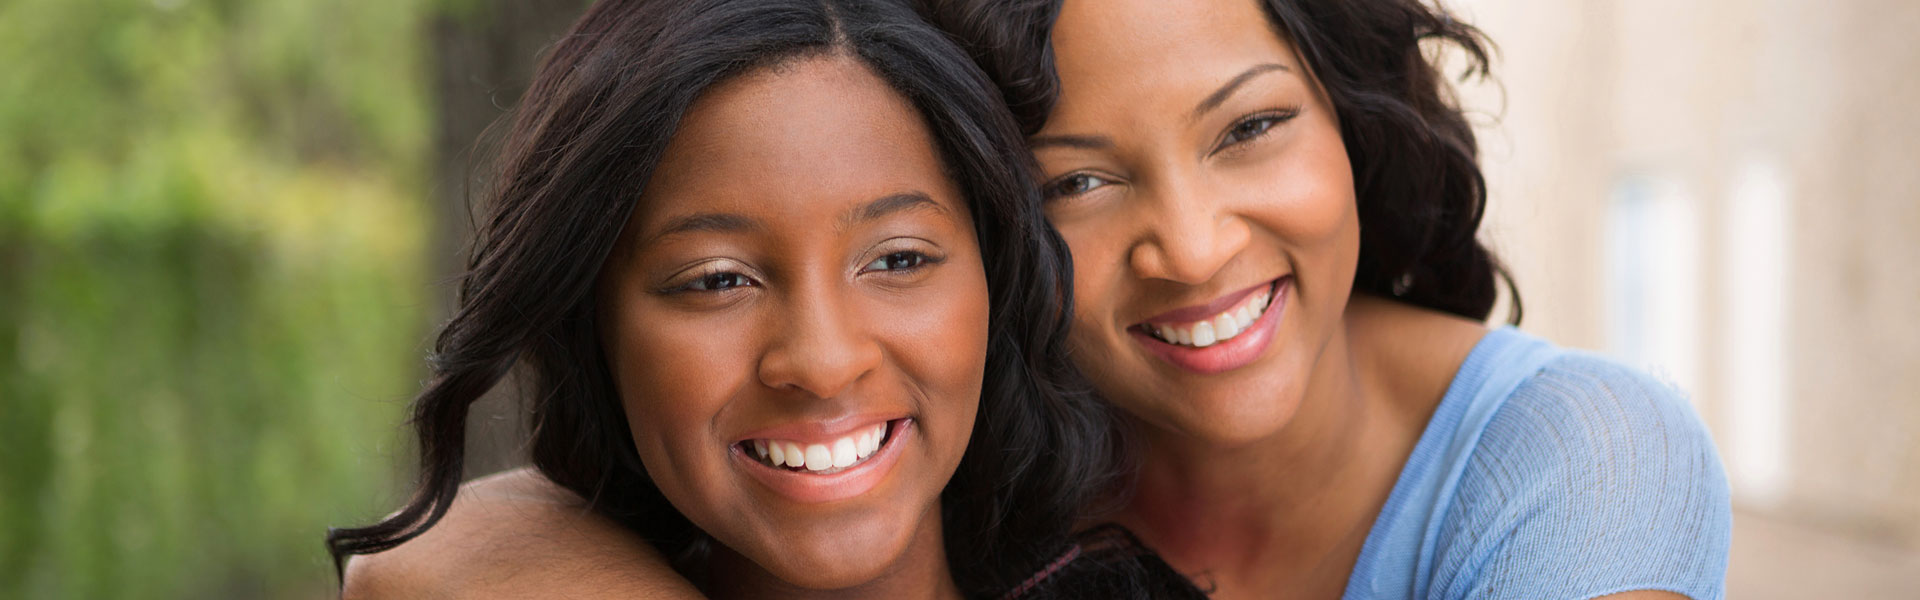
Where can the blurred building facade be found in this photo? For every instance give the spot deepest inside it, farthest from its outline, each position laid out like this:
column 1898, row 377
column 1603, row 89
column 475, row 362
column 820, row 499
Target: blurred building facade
column 1727, row 193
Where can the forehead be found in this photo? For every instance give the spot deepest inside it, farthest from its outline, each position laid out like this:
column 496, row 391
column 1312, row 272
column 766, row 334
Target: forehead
column 815, row 134
column 1139, row 49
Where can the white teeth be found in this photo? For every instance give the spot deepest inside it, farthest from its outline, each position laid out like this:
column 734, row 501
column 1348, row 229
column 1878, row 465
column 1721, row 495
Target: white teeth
column 838, row 454
column 863, row 444
column 870, row 439
column 843, row 453
column 1203, row 334
column 1226, row 326
column 819, row 458
column 1222, row 327
column 795, row 458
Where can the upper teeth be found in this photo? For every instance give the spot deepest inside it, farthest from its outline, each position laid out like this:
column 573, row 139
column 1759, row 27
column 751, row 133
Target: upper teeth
column 839, row 454
column 1219, row 328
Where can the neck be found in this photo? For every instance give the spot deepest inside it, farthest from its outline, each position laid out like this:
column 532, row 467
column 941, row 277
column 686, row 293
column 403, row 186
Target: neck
column 1302, row 498
column 920, row 571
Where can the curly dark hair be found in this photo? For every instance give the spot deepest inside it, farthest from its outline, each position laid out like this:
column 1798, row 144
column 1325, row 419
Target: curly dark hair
column 584, row 141
column 1416, row 172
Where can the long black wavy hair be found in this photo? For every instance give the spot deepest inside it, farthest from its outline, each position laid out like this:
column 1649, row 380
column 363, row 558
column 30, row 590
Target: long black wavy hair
column 1417, row 176
column 582, row 145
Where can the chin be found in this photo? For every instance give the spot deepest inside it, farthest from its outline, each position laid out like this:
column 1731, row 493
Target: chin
column 1220, row 411
column 1234, row 420
column 826, row 573
column 838, row 553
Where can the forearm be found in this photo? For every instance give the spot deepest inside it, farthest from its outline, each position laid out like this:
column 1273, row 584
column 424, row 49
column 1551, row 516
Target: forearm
column 516, row 535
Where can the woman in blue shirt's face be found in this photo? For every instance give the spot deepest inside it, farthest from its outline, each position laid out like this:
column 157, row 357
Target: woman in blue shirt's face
column 1196, row 169
column 1211, row 188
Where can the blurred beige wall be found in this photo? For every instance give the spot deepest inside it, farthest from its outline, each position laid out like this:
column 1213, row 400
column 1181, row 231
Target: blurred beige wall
column 1729, row 193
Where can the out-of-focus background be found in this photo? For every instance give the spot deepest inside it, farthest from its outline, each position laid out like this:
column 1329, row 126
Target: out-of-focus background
column 1728, row 192
column 226, row 228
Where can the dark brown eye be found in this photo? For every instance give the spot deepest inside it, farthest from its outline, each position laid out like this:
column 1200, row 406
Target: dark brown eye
column 720, row 281
column 1255, row 125
column 1251, row 128
column 1073, row 185
column 898, row 261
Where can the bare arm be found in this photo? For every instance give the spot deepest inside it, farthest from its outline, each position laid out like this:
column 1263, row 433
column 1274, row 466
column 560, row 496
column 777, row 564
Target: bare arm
column 517, row 535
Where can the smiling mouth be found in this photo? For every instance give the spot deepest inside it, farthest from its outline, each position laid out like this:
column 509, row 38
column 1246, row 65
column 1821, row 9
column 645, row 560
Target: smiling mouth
column 847, row 452
column 1218, row 327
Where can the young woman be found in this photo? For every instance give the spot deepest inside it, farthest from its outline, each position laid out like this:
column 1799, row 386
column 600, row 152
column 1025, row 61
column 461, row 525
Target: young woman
column 1272, row 208
column 769, row 266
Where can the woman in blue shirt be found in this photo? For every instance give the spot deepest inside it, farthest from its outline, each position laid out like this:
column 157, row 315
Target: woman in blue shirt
column 1272, row 208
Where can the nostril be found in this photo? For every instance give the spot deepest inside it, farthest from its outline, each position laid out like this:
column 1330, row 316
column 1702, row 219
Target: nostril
column 819, row 370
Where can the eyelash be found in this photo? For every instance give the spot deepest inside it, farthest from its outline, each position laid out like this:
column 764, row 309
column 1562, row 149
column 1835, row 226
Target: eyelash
column 718, row 281
column 1056, row 188
column 712, row 282
column 1267, row 119
column 1060, row 188
column 921, row 260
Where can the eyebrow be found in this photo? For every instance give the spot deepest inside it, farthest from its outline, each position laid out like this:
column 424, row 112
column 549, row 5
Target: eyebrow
column 1081, row 142
column 1212, row 101
column 709, row 222
column 889, row 205
column 734, row 223
column 1220, row 96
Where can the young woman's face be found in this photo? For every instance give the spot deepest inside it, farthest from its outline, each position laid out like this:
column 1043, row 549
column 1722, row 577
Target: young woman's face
column 800, row 284
column 1197, row 172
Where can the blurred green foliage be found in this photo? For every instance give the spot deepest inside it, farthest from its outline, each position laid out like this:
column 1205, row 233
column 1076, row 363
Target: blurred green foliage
column 212, row 288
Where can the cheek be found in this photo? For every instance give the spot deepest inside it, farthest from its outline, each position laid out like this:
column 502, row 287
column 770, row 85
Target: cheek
column 1305, row 201
column 938, row 337
column 1310, row 197
column 1099, row 282
column 1098, row 248
column 674, row 375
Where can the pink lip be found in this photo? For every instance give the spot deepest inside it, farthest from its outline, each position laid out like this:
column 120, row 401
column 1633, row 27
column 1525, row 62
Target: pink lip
column 821, row 432
column 1232, row 354
column 809, row 488
column 1190, row 314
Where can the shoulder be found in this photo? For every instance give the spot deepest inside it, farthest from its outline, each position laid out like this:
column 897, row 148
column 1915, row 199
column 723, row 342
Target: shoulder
column 517, row 535
column 1592, row 477
column 1587, row 438
column 1583, row 415
column 1586, row 430
column 1610, row 401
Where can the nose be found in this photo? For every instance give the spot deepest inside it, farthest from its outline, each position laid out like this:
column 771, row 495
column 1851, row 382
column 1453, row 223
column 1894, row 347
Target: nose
column 821, row 349
column 1191, row 235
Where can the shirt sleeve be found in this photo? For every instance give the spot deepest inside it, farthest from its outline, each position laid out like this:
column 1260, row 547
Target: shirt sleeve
column 1592, row 479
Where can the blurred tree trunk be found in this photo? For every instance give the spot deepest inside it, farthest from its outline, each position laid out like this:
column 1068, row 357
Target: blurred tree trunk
column 484, row 55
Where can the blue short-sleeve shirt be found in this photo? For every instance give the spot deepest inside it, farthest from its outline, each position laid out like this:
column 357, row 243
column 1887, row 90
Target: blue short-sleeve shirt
column 1552, row 474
